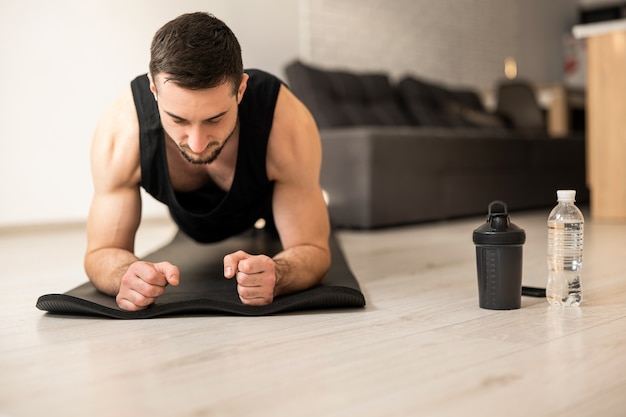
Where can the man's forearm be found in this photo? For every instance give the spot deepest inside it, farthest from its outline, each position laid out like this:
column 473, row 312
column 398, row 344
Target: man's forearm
column 105, row 268
column 300, row 268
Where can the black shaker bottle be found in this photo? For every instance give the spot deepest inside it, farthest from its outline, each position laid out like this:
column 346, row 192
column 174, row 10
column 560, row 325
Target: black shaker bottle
column 499, row 260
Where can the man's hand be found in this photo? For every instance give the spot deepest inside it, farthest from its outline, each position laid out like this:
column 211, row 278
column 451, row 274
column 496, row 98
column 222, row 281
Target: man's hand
column 144, row 282
column 256, row 277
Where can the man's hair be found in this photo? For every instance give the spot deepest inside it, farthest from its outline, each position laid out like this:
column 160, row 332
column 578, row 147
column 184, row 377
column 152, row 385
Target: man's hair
column 197, row 51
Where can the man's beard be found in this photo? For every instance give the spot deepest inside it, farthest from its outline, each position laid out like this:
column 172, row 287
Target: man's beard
column 207, row 159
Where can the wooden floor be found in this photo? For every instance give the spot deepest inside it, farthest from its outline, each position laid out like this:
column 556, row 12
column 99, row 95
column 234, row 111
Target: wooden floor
column 421, row 347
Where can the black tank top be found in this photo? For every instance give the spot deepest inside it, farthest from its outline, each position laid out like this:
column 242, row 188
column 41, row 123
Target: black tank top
column 211, row 214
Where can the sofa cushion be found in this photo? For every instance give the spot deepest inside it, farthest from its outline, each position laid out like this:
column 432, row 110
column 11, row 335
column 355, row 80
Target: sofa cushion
column 430, row 104
column 340, row 98
column 426, row 103
column 352, row 99
column 474, row 116
column 313, row 87
column 470, row 99
column 383, row 100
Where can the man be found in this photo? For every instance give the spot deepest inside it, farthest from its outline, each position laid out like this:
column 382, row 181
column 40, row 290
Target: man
column 222, row 148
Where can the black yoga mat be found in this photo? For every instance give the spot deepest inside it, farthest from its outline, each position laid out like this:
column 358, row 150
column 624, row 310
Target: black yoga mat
column 204, row 290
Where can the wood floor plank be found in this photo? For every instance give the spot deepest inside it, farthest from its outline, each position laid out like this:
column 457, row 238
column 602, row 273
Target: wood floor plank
column 422, row 346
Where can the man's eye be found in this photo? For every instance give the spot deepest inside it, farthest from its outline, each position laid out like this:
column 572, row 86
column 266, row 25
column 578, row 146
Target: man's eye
column 213, row 121
column 179, row 121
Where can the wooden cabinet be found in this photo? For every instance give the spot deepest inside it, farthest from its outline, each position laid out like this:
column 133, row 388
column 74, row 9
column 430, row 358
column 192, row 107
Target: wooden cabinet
column 606, row 117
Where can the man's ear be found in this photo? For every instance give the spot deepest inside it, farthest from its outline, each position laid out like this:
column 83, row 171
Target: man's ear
column 152, row 86
column 242, row 87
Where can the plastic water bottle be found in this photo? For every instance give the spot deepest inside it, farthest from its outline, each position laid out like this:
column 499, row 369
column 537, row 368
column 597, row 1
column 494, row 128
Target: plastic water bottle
column 565, row 251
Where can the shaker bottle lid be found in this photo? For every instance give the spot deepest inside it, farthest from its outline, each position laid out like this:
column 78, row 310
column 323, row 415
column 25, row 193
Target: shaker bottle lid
column 498, row 230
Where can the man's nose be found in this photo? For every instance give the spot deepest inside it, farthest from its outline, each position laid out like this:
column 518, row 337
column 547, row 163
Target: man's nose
column 197, row 139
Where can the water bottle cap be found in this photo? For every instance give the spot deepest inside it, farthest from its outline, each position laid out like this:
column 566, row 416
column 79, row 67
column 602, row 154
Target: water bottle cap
column 566, row 195
column 498, row 229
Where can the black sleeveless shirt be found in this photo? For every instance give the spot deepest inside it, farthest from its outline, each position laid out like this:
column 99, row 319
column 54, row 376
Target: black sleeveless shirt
column 211, row 214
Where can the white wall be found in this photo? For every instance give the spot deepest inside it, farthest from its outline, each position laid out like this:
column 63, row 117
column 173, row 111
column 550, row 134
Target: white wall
column 63, row 61
column 450, row 41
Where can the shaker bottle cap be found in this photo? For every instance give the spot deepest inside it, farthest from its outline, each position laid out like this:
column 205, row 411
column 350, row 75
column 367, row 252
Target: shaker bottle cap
column 498, row 230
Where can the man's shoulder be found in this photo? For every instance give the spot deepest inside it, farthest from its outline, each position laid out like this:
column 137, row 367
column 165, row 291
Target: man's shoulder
column 263, row 84
column 120, row 117
column 294, row 139
column 260, row 76
column 117, row 132
column 140, row 86
column 260, row 99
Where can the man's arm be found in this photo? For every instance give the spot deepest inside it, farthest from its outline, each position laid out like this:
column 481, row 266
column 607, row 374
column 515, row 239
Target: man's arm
column 115, row 213
column 300, row 212
column 294, row 163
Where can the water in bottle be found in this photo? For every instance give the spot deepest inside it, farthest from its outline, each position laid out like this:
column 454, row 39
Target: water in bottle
column 565, row 251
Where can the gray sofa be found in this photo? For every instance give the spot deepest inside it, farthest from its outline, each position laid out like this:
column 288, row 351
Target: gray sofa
column 415, row 151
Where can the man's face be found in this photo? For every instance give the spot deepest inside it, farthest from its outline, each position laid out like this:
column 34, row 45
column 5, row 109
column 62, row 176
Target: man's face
column 200, row 122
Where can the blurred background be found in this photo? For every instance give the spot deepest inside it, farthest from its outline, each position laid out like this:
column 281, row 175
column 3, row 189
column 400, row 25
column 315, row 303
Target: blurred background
column 62, row 62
